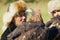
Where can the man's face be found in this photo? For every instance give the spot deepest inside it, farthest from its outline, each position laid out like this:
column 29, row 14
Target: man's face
column 56, row 13
column 18, row 19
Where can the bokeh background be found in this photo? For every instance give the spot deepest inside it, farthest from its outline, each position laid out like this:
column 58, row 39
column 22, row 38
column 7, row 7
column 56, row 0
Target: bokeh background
column 41, row 4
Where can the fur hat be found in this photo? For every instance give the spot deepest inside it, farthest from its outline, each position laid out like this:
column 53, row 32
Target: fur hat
column 53, row 5
column 14, row 8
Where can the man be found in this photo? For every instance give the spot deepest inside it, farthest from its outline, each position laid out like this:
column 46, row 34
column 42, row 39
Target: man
column 27, row 29
column 54, row 9
column 15, row 16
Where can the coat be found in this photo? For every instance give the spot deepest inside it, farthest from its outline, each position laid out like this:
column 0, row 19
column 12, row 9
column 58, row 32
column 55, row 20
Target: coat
column 28, row 30
column 11, row 27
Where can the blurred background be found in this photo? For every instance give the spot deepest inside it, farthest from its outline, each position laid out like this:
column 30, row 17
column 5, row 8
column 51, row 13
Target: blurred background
column 41, row 4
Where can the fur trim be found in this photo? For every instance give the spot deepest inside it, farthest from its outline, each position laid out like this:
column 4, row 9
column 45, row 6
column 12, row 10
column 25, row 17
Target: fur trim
column 7, row 18
column 4, row 28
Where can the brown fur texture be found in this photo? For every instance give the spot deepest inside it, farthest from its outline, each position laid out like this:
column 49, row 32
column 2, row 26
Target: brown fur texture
column 19, row 5
column 36, row 17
